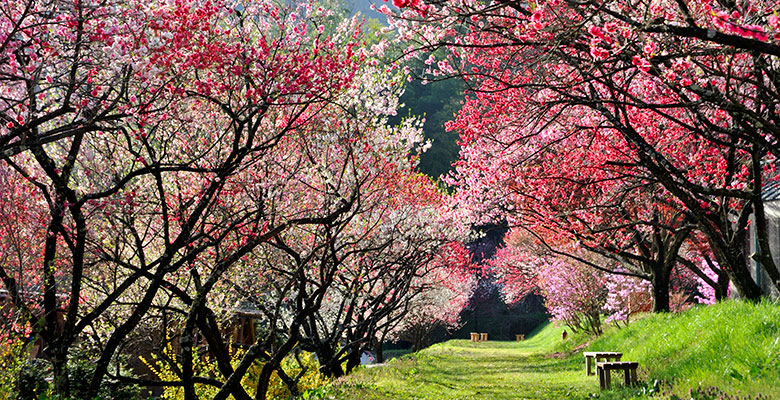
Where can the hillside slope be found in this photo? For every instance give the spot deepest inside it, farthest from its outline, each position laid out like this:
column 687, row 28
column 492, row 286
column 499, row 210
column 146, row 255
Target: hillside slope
column 732, row 345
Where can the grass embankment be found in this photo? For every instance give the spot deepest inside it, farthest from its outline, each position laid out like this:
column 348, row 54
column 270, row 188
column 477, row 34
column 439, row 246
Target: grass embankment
column 733, row 346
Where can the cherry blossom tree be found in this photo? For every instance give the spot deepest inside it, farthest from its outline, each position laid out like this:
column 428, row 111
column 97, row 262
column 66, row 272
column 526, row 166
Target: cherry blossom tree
column 445, row 292
column 201, row 156
column 574, row 294
column 662, row 78
column 145, row 129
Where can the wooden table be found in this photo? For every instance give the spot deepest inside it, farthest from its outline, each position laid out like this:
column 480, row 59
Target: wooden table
column 592, row 357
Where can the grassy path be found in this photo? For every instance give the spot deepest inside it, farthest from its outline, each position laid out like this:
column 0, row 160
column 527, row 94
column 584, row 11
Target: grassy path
column 459, row 369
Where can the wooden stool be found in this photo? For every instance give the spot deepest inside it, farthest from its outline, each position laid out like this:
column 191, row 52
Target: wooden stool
column 474, row 337
column 595, row 356
column 483, row 337
column 520, row 337
column 604, row 370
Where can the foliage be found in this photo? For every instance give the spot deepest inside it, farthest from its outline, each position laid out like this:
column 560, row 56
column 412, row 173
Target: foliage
column 448, row 289
column 437, row 102
column 626, row 296
column 199, row 159
column 32, row 380
column 164, row 366
column 574, row 294
column 13, row 355
column 80, row 369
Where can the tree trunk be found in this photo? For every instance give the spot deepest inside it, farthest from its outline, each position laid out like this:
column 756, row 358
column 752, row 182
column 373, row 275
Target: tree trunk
column 353, row 359
column 739, row 275
column 264, row 380
column 722, row 289
column 660, row 283
column 378, row 348
column 292, row 384
column 60, row 369
column 329, row 364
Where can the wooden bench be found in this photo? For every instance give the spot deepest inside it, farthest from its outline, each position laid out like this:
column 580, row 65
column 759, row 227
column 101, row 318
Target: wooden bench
column 520, row 337
column 474, row 337
column 483, row 337
column 592, row 357
column 604, row 370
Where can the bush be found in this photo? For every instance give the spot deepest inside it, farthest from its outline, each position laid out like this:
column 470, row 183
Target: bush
column 33, row 379
column 310, row 381
column 80, row 371
column 13, row 356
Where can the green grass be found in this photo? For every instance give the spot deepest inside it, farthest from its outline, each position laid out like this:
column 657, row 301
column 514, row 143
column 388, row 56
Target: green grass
column 734, row 346
column 459, row 369
column 395, row 353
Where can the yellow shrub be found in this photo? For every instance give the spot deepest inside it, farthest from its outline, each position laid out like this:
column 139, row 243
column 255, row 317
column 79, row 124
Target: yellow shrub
column 204, row 366
column 277, row 390
column 12, row 357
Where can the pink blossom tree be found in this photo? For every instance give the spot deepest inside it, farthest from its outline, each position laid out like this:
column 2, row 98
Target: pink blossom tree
column 447, row 289
column 650, row 77
column 152, row 133
column 574, row 294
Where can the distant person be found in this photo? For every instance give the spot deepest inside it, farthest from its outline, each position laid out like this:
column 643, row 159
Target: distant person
column 564, row 334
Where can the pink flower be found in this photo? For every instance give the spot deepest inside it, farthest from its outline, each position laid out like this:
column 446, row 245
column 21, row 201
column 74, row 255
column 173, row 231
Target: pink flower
column 640, row 62
column 650, row 48
column 598, row 53
column 596, row 31
column 774, row 22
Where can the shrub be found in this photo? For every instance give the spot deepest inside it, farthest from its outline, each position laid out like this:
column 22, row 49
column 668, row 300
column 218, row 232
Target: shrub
column 203, row 365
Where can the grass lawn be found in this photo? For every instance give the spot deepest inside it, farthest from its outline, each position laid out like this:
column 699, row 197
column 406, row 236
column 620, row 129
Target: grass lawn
column 732, row 346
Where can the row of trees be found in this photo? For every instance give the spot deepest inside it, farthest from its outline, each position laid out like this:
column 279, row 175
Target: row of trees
column 642, row 132
column 167, row 163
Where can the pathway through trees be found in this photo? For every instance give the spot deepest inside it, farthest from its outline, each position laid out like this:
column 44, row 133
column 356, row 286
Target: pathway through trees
column 459, row 369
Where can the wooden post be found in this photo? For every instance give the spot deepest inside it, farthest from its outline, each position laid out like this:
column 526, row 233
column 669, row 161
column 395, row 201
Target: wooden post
column 602, row 378
column 588, row 365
